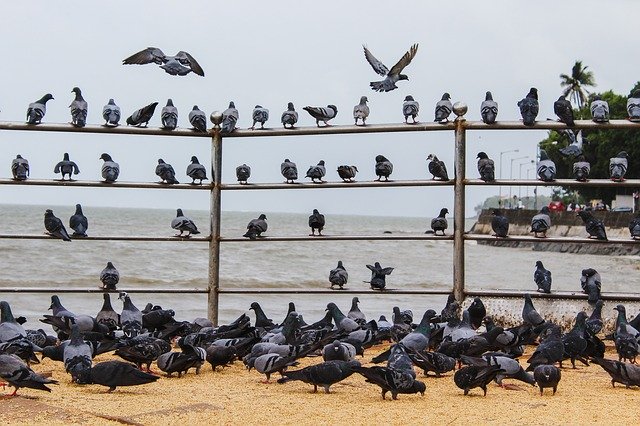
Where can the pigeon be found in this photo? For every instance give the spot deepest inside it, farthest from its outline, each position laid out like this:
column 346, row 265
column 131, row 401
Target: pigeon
column 198, row 119
column 316, row 221
column 511, row 367
column 261, row 317
column 440, row 223
column 618, row 166
column 338, row 350
column 343, row 323
column 581, row 169
column 165, row 172
column 37, row 109
column 77, row 357
column 139, row 349
column 256, row 227
column 182, row 224
column 383, row 168
column 437, row 168
column 322, row 114
column 317, row 172
column 111, row 114
column 378, row 276
column 594, row 227
column 599, row 110
column 626, row 337
column 169, row 116
column 361, row 111
column 443, row 109
column 574, row 342
column 78, row 109
column 355, row 313
column 107, row 315
column 109, row 277
column 20, row 168
column 564, row 111
column 472, row 376
column 486, row 167
column 477, row 312
column 391, row 76
column 499, row 224
column 489, row 109
column 10, row 329
column 347, row 173
column 591, row 284
column 338, row 276
column 54, row 226
column 549, row 351
column 79, row 223
column 620, row 372
column 542, row 278
column 594, row 322
column 66, row 167
column 529, row 313
column 574, row 149
column 547, row 376
column 243, row 173
column 131, row 317
column 260, row 115
column 220, row 355
column 19, row 375
column 142, row 115
column 229, row 118
column 324, row 374
column 541, row 222
column 634, row 226
column 118, row 373
column 410, row 108
column 182, row 63
column 633, row 106
column 195, row 170
column 290, row 116
column 546, row 169
column 181, row 362
column 529, row 107
column 289, row 170
column 110, row 169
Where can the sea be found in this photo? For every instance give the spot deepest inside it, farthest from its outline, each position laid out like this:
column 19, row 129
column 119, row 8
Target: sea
column 418, row 265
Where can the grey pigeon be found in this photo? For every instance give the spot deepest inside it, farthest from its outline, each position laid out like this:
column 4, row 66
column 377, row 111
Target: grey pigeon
column 338, row 276
column 591, row 284
column 110, row 169
column 256, row 227
column 289, row 117
column 418, row 339
column 342, row 322
column 66, row 167
column 142, row 116
column 437, row 168
column 550, row 350
column 361, row 111
column 79, row 223
column 378, row 276
column 195, row 170
column 111, row 114
column 182, row 63
column 547, row 376
column 546, row 168
column 324, row 374
column 19, row 375
column 54, row 226
column 634, row 226
column 541, row 222
column 633, row 106
column 317, row 172
column 391, row 76
column 117, row 373
column 181, row 362
column 109, row 277
column 618, row 166
column 169, row 116
column 130, row 317
column 355, row 313
column 499, row 224
column 529, row 107
column 229, row 118
column 384, row 168
column 486, row 167
column 594, row 227
column 289, row 170
column 489, row 109
column 564, row 111
column 338, row 350
column 78, row 109
column 392, row 380
column 574, row 149
column 581, row 169
column 620, row 372
column 511, row 367
column 322, row 114
column 542, row 278
column 198, row 119
column 243, row 173
column 437, row 362
column 165, row 172
column 270, row 363
column 77, row 357
column 316, row 221
column 594, row 323
column 410, row 108
column 529, row 313
column 20, row 168
column 347, row 173
column 443, row 109
column 439, row 223
column 472, row 376
column 599, row 110
column 9, row 327
column 260, row 115
column 37, row 109
column 183, row 224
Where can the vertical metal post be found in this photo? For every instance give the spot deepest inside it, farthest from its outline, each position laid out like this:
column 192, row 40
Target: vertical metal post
column 460, row 109
column 214, row 219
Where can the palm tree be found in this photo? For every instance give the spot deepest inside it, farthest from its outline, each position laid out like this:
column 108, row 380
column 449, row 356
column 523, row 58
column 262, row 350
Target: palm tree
column 574, row 85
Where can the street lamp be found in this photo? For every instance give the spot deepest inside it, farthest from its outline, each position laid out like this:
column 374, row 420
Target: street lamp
column 528, row 171
column 520, row 174
column 501, row 153
column 511, row 172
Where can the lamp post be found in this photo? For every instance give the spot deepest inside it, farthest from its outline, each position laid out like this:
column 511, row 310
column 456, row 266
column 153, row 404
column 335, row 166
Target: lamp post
column 511, row 172
column 520, row 175
column 501, row 153
column 528, row 171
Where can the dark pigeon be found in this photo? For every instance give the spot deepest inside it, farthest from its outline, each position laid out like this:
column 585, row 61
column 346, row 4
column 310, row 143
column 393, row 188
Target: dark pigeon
column 541, row 223
column 66, row 167
column 542, row 278
column 599, row 110
column 261, row 319
column 437, row 168
column 19, row 375
column 20, row 168
column 549, row 351
column 634, row 226
column 198, row 119
column 512, row 368
column 338, row 276
column 142, row 349
column 142, row 115
column 410, row 108
column 111, row 114
column 107, row 315
column 342, row 351
column 547, row 376
column 317, row 172
column 546, row 168
column 324, row 374
column 486, row 167
column 443, row 109
column 591, row 284
column 166, row 173
column 392, row 380
column 439, row 223
column 574, row 342
column 626, row 337
column 347, row 173
column 316, row 221
column 477, row 312
column 131, row 317
column 183, row 224
column 78, row 109
column 256, row 227
column 79, row 222
column 618, row 166
column 499, row 224
column 109, row 277
column 471, row 377
column 229, row 118
column 243, row 173
column 195, row 170
column 383, row 168
column 436, row 362
column 289, row 117
column 594, row 227
column 529, row 107
column 529, row 313
column 182, row 63
column 77, row 357
column 581, row 169
column 37, row 109
column 117, row 373
column 169, row 116
column 489, row 109
column 594, row 322
column 378, row 276
column 220, row 355
column 564, row 111
column 110, row 169
column 259, row 115
column 391, row 76
column 323, row 114
column 620, row 372
column 181, row 362
column 54, row 226
column 289, row 170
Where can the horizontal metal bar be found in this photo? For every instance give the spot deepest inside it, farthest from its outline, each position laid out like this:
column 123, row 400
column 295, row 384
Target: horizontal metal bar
column 101, row 184
column 554, row 295
column 50, row 290
column 629, row 183
column 329, row 291
column 529, row 239
column 424, row 237
column 103, row 238
column 327, row 185
column 552, row 125
column 120, row 130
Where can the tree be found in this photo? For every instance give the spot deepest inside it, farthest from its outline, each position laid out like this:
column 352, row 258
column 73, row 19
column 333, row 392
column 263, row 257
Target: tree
column 574, row 85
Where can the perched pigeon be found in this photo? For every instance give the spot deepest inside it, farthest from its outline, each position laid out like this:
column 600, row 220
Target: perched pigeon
column 499, row 224
column 529, row 313
column 634, row 226
column 591, row 284
column 618, row 166
column 289, row 170
column 599, row 110
column 361, row 111
column 338, row 350
column 131, row 317
column 77, row 356
column 542, row 278
column 142, row 116
column 195, row 170
column 594, row 227
column 182, row 224
column 489, row 109
column 54, row 226
column 20, row 168
column 338, row 276
column 581, row 169
column 78, row 109
column 378, row 276
column 198, row 119
column 66, row 167
column 109, row 277
column 110, row 169
column 317, row 172
column 437, row 168
column 547, row 376
column 410, row 108
column 633, row 106
column 165, row 172
column 574, row 149
column 541, row 222
column 347, row 173
column 182, row 63
column 384, row 168
column 169, row 116
column 111, row 114
column 391, row 76
column 472, row 376
column 260, row 115
column 439, row 223
column 443, row 109
column 316, row 221
column 37, row 109
column 324, row 374
column 118, row 373
column 564, row 111
column 229, row 118
column 594, row 323
column 529, row 107
column 322, row 114
column 620, row 372
column 290, row 116
column 256, row 227
column 79, row 223
column 486, row 167
column 546, row 168
column 19, row 375
column 243, row 173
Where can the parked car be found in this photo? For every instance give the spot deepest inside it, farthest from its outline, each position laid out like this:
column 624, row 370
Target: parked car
column 557, row 206
column 622, row 209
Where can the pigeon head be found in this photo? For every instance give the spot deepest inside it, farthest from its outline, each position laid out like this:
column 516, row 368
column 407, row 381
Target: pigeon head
column 19, row 157
column 620, row 308
column 179, row 213
column 111, row 102
column 431, row 157
column 194, row 160
column 622, row 154
column 263, row 217
column 232, row 105
column 533, row 93
column 364, row 100
column 340, row 264
column 290, row 106
column 597, row 98
column 488, row 96
column 543, row 155
column 380, row 158
column 65, row 157
column 169, row 102
column 589, row 272
column 636, row 93
column 585, row 215
column 106, row 157
column 496, row 212
column 482, row 155
column 315, row 211
column 55, row 302
column 110, row 265
column 403, row 77
column 444, row 211
column 48, row 212
column 418, row 386
column 123, row 295
column 78, row 209
column 333, row 107
column 321, row 162
column 254, row 306
column 539, row 264
column 377, row 265
column 355, row 300
column 161, row 161
column 77, row 91
column 331, row 307
column 47, row 98
column 446, row 96
column 258, row 106
column 195, row 108
column 561, row 98
column 545, row 210
column 408, row 98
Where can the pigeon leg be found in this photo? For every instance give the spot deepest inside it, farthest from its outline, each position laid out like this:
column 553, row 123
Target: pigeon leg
column 313, row 233
column 319, row 232
column 14, row 392
column 3, row 385
column 315, row 389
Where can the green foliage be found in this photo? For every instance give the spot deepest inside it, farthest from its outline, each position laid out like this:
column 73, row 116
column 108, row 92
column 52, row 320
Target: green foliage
column 574, row 85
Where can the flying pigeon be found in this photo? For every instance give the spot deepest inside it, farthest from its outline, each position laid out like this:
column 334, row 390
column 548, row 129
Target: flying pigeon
column 243, row 173
column 443, row 109
column 182, row 224
column 317, row 172
column 78, row 109
column 289, row 170
column 383, row 168
column 486, row 167
column 410, row 108
column 581, row 169
column 599, row 110
column 322, row 114
column 37, row 109
column 634, row 226
column 338, row 276
column 111, row 114
column 316, row 221
column 574, row 149
column 229, row 118
column 547, row 376
column 290, row 116
column 618, row 166
column 110, row 169
column 361, row 111
column 182, row 63
column 489, row 109
column 378, row 276
column 54, row 226
column 546, row 169
column 594, row 227
column 391, row 76
column 195, row 170
column 165, row 172
column 256, row 227
column 591, row 284
column 529, row 107
column 633, row 106
column 19, row 375
column 437, row 168
column 499, row 224
column 541, row 222
column 440, row 223
column 542, row 278
column 260, row 115
column 142, row 115
column 169, row 116
column 117, row 373
column 564, row 111
column 79, row 223
column 347, row 173
column 66, row 167
column 20, row 168
column 109, row 277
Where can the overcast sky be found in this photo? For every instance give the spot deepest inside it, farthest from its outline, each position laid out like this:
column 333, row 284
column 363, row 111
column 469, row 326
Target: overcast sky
column 270, row 53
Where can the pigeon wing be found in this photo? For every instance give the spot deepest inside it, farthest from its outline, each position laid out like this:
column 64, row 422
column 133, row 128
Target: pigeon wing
column 187, row 59
column 377, row 66
column 146, row 56
column 404, row 61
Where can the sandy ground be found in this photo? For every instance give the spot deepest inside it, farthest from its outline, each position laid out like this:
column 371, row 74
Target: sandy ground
column 235, row 396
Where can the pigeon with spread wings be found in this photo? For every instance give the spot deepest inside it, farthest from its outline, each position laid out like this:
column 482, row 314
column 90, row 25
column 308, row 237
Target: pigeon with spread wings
column 391, row 76
column 181, row 63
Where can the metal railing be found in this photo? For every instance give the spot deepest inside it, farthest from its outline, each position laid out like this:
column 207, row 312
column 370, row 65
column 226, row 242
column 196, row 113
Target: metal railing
column 459, row 126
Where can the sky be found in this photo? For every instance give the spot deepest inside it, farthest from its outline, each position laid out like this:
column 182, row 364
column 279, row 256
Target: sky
column 270, row 53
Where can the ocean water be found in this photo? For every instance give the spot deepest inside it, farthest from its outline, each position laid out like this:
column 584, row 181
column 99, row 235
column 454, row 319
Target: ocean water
column 287, row 265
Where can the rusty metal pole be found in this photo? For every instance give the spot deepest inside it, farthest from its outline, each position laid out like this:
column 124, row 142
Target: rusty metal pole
column 213, row 299
column 460, row 109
